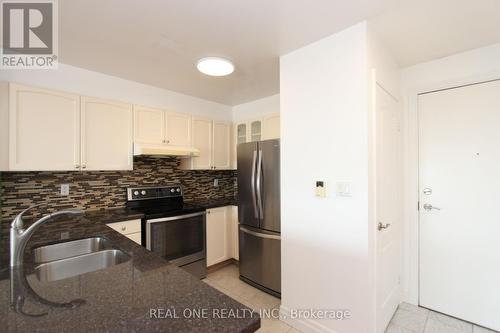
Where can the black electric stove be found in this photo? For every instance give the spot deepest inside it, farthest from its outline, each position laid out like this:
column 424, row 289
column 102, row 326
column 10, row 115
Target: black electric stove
column 171, row 228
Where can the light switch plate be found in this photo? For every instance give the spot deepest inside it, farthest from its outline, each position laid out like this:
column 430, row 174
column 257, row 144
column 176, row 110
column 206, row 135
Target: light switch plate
column 64, row 189
column 343, row 189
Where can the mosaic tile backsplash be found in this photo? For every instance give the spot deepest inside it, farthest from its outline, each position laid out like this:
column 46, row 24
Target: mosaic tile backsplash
column 106, row 189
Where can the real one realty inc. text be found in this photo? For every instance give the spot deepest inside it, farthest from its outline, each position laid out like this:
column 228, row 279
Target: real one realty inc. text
column 222, row 313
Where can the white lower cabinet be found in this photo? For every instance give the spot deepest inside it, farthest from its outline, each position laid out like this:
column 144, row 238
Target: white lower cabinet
column 217, row 235
column 235, row 249
column 222, row 235
column 130, row 229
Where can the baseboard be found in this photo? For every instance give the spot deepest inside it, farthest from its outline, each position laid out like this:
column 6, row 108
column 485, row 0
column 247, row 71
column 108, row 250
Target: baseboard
column 222, row 264
column 303, row 324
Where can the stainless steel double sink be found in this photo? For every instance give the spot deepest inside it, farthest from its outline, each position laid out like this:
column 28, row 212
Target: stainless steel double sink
column 68, row 259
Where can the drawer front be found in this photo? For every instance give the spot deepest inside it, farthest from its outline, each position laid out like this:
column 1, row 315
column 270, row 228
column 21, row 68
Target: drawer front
column 126, row 227
column 136, row 237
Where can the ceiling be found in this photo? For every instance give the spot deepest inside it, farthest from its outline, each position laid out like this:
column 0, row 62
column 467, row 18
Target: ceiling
column 158, row 42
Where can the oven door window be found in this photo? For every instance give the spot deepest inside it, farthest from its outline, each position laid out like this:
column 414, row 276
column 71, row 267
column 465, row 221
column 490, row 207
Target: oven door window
column 178, row 238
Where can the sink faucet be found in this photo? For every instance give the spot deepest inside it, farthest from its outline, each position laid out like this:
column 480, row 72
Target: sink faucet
column 19, row 236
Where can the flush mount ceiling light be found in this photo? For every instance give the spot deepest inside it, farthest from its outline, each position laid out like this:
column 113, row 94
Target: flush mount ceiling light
column 214, row 66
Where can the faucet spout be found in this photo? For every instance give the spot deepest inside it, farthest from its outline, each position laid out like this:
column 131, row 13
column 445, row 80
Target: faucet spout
column 19, row 236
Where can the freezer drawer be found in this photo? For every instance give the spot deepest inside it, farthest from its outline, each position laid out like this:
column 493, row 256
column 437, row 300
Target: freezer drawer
column 260, row 258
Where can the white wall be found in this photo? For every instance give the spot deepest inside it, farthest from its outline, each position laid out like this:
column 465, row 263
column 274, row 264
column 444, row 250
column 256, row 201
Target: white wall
column 84, row 82
column 324, row 135
column 257, row 108
column 464, row 68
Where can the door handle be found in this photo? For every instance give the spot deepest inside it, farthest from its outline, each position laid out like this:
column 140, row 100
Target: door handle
column 430, row 207
column 382, row 226
column 252, row 180
column 259, row 234
column 259, row 183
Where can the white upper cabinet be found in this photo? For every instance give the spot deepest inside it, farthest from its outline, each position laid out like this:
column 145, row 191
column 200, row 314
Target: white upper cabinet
column 107, row 137
column 213, row 140
column 255, row 130
column 155, row 126
column 271, row 127
column 202, row 140
column 44, row 129
column 222, row 145
column 178, row 129
column 149, row 125
column 241, row 133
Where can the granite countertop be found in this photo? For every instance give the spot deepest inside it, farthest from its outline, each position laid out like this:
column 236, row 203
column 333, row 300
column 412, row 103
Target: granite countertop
column 121, row 298
column 214, row 203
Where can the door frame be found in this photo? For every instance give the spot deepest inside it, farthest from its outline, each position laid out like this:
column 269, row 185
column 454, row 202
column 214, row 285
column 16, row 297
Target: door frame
column 411, row 222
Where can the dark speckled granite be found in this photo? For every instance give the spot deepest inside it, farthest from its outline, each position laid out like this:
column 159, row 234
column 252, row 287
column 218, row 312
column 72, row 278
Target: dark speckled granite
column 116, row 299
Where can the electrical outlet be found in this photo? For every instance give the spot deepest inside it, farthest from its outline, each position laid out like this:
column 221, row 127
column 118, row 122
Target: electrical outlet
column 216, row 182
column 64, row 189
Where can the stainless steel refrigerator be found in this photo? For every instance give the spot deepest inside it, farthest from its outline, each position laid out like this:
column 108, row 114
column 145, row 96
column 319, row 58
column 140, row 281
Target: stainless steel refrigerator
column 259, row 214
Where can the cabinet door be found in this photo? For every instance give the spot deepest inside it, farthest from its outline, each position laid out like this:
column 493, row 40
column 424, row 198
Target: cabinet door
column 222, row 145
column 44, row 129
column 148, row 125
column 234, row 232
column 178, row 128
column 271, row 127
column 241, row 132
column 106, row 135
column 255, row 130
column 217, row 236
column 202, row 140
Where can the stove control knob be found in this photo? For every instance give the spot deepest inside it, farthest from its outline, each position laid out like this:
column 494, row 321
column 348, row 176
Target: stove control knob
column 178, row 190
column 143, row 192
column 172, row 190
column 136, row 192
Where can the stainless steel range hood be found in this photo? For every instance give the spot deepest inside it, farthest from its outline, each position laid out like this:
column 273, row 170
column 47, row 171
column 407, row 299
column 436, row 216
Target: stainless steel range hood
column 164, row 150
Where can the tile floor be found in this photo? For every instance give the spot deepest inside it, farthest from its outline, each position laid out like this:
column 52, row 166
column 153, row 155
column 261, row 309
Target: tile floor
column 407, row 319
column 227, row 280
column 412, row 319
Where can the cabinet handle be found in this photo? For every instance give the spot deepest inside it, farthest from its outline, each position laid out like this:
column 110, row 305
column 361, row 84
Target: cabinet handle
column 168, row 141
column 215, row 167
column 77, row 166
column 84, row 166
column 124, row 228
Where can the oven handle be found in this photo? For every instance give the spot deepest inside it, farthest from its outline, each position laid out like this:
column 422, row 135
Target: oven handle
column 174, row 218
column 165, row 219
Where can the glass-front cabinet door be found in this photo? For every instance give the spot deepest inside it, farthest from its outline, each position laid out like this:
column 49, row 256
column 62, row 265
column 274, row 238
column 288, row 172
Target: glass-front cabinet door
column 241, row 133
column 255, row 130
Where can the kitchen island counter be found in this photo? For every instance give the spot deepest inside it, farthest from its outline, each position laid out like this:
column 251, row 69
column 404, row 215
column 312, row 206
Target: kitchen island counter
column 143, row 294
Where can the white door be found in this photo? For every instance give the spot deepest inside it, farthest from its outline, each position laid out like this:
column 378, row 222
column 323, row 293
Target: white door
column 459, row 161
column 202, row 140
column 222, row 145
column 178, row 128
column 388, row 212
column 44, row 129
column 106, row 135
column 149, row 125
column 217, row 235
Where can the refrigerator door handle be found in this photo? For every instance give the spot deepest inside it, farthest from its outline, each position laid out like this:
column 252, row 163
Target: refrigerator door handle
column 259, row 185
column 259, row 234
column 252, row 181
